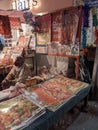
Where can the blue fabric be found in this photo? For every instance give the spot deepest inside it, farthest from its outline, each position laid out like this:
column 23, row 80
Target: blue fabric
column 2, row 40
column 49, row 118
column 91, row 3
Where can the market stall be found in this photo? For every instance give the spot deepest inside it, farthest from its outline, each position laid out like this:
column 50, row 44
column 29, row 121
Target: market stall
column 40, row 102
column 51, row 107
column 50, row 118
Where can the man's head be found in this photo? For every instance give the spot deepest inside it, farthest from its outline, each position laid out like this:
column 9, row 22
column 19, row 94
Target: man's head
column 19, row 61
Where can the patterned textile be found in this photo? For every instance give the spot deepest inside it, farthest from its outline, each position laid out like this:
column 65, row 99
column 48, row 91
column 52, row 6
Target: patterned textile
column 57, row 24
column 44, row 36
column 71, row 20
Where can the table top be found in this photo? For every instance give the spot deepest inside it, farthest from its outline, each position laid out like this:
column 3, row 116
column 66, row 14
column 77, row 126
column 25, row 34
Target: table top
column 49, row 118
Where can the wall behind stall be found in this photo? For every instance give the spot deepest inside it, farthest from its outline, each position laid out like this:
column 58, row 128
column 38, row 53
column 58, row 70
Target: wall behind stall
column 45, row 6
column 51, row 5
column 63, row 64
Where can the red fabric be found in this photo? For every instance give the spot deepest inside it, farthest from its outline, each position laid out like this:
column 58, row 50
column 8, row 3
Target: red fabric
column 5, row 26
column 44, row 35
column 96, row 35
column 1, row 27
column 15, row 23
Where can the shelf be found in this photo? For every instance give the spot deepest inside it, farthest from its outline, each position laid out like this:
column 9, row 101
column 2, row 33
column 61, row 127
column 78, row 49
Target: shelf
column 65, row 55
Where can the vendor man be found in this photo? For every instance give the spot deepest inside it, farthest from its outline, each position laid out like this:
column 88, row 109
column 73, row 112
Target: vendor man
column 18, row 73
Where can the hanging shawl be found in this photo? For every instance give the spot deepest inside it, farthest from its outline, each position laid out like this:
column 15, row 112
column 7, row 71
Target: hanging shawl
column 5, row 26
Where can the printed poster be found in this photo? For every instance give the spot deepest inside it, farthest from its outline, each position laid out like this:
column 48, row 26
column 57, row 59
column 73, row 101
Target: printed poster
column 44, row 35
column 57, row 22
column 71, row 19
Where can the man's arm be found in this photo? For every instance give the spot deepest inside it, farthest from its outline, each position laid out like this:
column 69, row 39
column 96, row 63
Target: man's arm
column 11, row 74
column 24, row 73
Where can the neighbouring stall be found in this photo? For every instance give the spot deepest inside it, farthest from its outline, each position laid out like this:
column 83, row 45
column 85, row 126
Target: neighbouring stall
column 15, row 40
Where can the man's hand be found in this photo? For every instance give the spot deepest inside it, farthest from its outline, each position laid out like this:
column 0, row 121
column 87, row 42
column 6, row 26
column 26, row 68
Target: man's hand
column 4, row 81
column 3, row 84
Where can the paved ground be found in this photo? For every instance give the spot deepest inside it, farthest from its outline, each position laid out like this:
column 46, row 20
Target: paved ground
column 86, row 121
column 79, row 120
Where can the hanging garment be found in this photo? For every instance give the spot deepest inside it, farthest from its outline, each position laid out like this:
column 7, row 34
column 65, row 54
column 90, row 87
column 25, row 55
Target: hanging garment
column 5, row 28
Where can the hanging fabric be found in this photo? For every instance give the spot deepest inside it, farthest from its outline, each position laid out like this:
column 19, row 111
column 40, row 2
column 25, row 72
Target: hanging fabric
column 57, row 24
column 86, row 16
column 5, row 28
column 15, row 23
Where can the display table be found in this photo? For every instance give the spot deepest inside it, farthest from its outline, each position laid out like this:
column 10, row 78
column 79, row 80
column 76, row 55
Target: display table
column 55, row 97
column 50, row 118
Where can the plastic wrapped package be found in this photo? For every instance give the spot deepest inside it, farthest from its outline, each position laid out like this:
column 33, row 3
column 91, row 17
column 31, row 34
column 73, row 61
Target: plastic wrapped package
column 17, row 113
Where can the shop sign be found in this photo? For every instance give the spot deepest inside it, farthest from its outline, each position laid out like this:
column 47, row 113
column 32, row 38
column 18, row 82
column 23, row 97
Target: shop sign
column 23, row 4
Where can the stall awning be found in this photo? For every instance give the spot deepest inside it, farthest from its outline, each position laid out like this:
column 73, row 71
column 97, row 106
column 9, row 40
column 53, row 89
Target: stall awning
column 15, row 19
column 13, row 14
